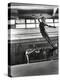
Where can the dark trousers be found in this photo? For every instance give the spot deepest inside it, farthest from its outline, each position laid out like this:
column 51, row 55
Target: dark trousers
column 45, row 35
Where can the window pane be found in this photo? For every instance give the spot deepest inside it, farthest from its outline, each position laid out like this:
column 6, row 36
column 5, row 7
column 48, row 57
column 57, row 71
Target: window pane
column 37, row 25
column 17, row 21
column 20, row 21
column 32, row 21
column 11, row 22
column 49, row 20
column 30, row 25
column 56, row 24
column 37, row 21
column 56, row 20
column 28, row 21
column 20, row 26
column 52, row 24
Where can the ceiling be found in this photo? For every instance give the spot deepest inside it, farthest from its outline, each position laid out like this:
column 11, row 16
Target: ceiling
column 27, row 10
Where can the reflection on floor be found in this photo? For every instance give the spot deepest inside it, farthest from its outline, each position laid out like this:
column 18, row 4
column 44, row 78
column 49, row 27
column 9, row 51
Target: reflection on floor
column 39, row 68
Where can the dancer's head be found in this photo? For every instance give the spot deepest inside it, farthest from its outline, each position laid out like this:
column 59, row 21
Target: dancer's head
column 43, row 19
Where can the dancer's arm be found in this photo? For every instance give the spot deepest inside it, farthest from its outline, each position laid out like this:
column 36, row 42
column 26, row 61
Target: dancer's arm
column 36, row 17
column 50, row 26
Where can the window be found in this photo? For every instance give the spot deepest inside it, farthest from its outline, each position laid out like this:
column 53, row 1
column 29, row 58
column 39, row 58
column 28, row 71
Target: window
column 37, row 21
column 20, row 23
column 49, row 20
column 30, row 23
column 11, row 22
column 20, row 26
column 37, row 25
column 56, row 24
column 51, row 24
column 56, row 20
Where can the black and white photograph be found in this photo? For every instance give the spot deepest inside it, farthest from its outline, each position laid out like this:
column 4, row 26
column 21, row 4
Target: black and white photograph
column 33, row 45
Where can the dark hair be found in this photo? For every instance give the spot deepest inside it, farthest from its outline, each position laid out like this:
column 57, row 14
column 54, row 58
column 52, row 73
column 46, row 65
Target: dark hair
column 43, row 17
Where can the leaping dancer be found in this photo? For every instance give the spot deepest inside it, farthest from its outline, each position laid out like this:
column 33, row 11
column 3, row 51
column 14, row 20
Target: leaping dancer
column 42, row 25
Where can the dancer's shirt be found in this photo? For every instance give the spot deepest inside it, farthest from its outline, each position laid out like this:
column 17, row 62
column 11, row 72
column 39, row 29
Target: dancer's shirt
column 42, row 26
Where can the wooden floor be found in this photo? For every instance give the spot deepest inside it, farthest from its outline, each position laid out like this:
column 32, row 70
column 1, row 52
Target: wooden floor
column 39, row 68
